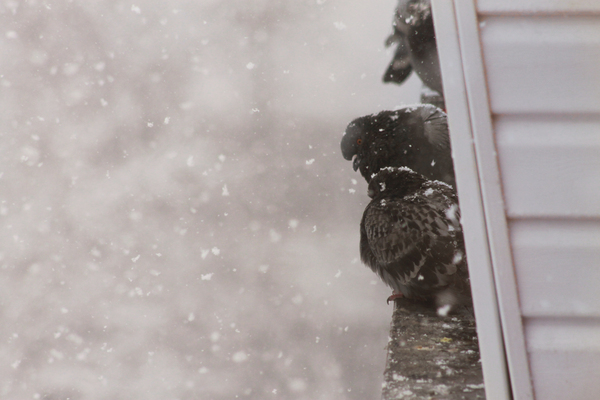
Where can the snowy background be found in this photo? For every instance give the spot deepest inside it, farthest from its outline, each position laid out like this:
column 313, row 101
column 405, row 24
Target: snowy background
column 177, row 221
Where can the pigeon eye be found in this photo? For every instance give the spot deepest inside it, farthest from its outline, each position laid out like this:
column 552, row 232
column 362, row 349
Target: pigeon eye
column 359, row 141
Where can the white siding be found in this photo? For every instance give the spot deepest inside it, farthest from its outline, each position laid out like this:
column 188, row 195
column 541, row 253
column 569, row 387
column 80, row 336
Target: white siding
column 565, row 357
column 558, row 267
column 550, row 164
column 520, row 7
column 499, row 324
column 543, row 80
column 541, row 62
column 489, row 329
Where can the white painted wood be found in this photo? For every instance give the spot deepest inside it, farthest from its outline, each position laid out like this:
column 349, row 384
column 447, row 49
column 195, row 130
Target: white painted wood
column 489, row 178
column 563, row 334
column 542, row 75
column 489, row 329
column 566, row 375
column 559, row 130
column 550, row 181
column 550, row 165
column 565, row 357
column 537, row 6
column 542, row 64
column 558, row 267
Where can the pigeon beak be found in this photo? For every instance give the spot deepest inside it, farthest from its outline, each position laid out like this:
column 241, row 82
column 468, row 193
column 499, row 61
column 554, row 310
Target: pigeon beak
column 356, row 162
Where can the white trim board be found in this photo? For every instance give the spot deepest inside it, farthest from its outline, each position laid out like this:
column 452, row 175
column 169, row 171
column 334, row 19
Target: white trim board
column 499, row 325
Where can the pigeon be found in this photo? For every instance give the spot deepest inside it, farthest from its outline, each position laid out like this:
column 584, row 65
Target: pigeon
column 416, row 48
column 414, row 136
column 410, row 235
column 401, row 66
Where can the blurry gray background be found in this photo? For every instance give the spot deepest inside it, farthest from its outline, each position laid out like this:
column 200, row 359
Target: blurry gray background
column 177, row 221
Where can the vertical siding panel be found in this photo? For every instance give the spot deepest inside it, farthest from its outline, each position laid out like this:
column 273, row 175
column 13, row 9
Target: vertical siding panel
column 489, row 329
column 489, row 177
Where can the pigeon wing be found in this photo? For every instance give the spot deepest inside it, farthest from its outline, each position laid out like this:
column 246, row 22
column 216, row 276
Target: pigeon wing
column 400, row 67
column 435, row 127
column 410, row 245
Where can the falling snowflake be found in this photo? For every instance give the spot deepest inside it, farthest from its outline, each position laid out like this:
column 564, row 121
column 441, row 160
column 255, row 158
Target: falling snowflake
column 274, row 235
column 339, row 26
column 443, row 311
column 239, row 357
column 263, row 268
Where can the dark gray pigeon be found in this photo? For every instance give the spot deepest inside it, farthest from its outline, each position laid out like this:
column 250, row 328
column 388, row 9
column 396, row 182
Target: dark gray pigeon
column 416, row 49
column 410, row 235
column 414, row 136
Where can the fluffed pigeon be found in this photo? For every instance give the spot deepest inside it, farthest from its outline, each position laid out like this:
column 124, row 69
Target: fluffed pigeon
column 410, row 235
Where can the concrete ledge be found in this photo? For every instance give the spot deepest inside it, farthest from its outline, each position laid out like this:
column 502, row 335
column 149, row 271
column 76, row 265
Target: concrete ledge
column 432, row 357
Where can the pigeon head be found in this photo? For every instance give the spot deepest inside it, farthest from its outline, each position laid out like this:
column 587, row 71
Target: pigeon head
column 395, row 182
column 413, row 136
column 371, row 141
column 361, row 140
column 353, row 139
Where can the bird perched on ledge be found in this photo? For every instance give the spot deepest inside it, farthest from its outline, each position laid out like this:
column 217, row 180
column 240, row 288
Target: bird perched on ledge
column 416, row 48
column 414, row 136
column 410, row 235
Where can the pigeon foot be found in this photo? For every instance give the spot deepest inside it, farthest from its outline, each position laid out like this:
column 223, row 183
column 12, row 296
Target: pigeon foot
column 395, row 295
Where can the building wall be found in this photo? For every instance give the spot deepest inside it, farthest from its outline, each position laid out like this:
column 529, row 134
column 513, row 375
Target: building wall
column 542, row 63
column 531, row 72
